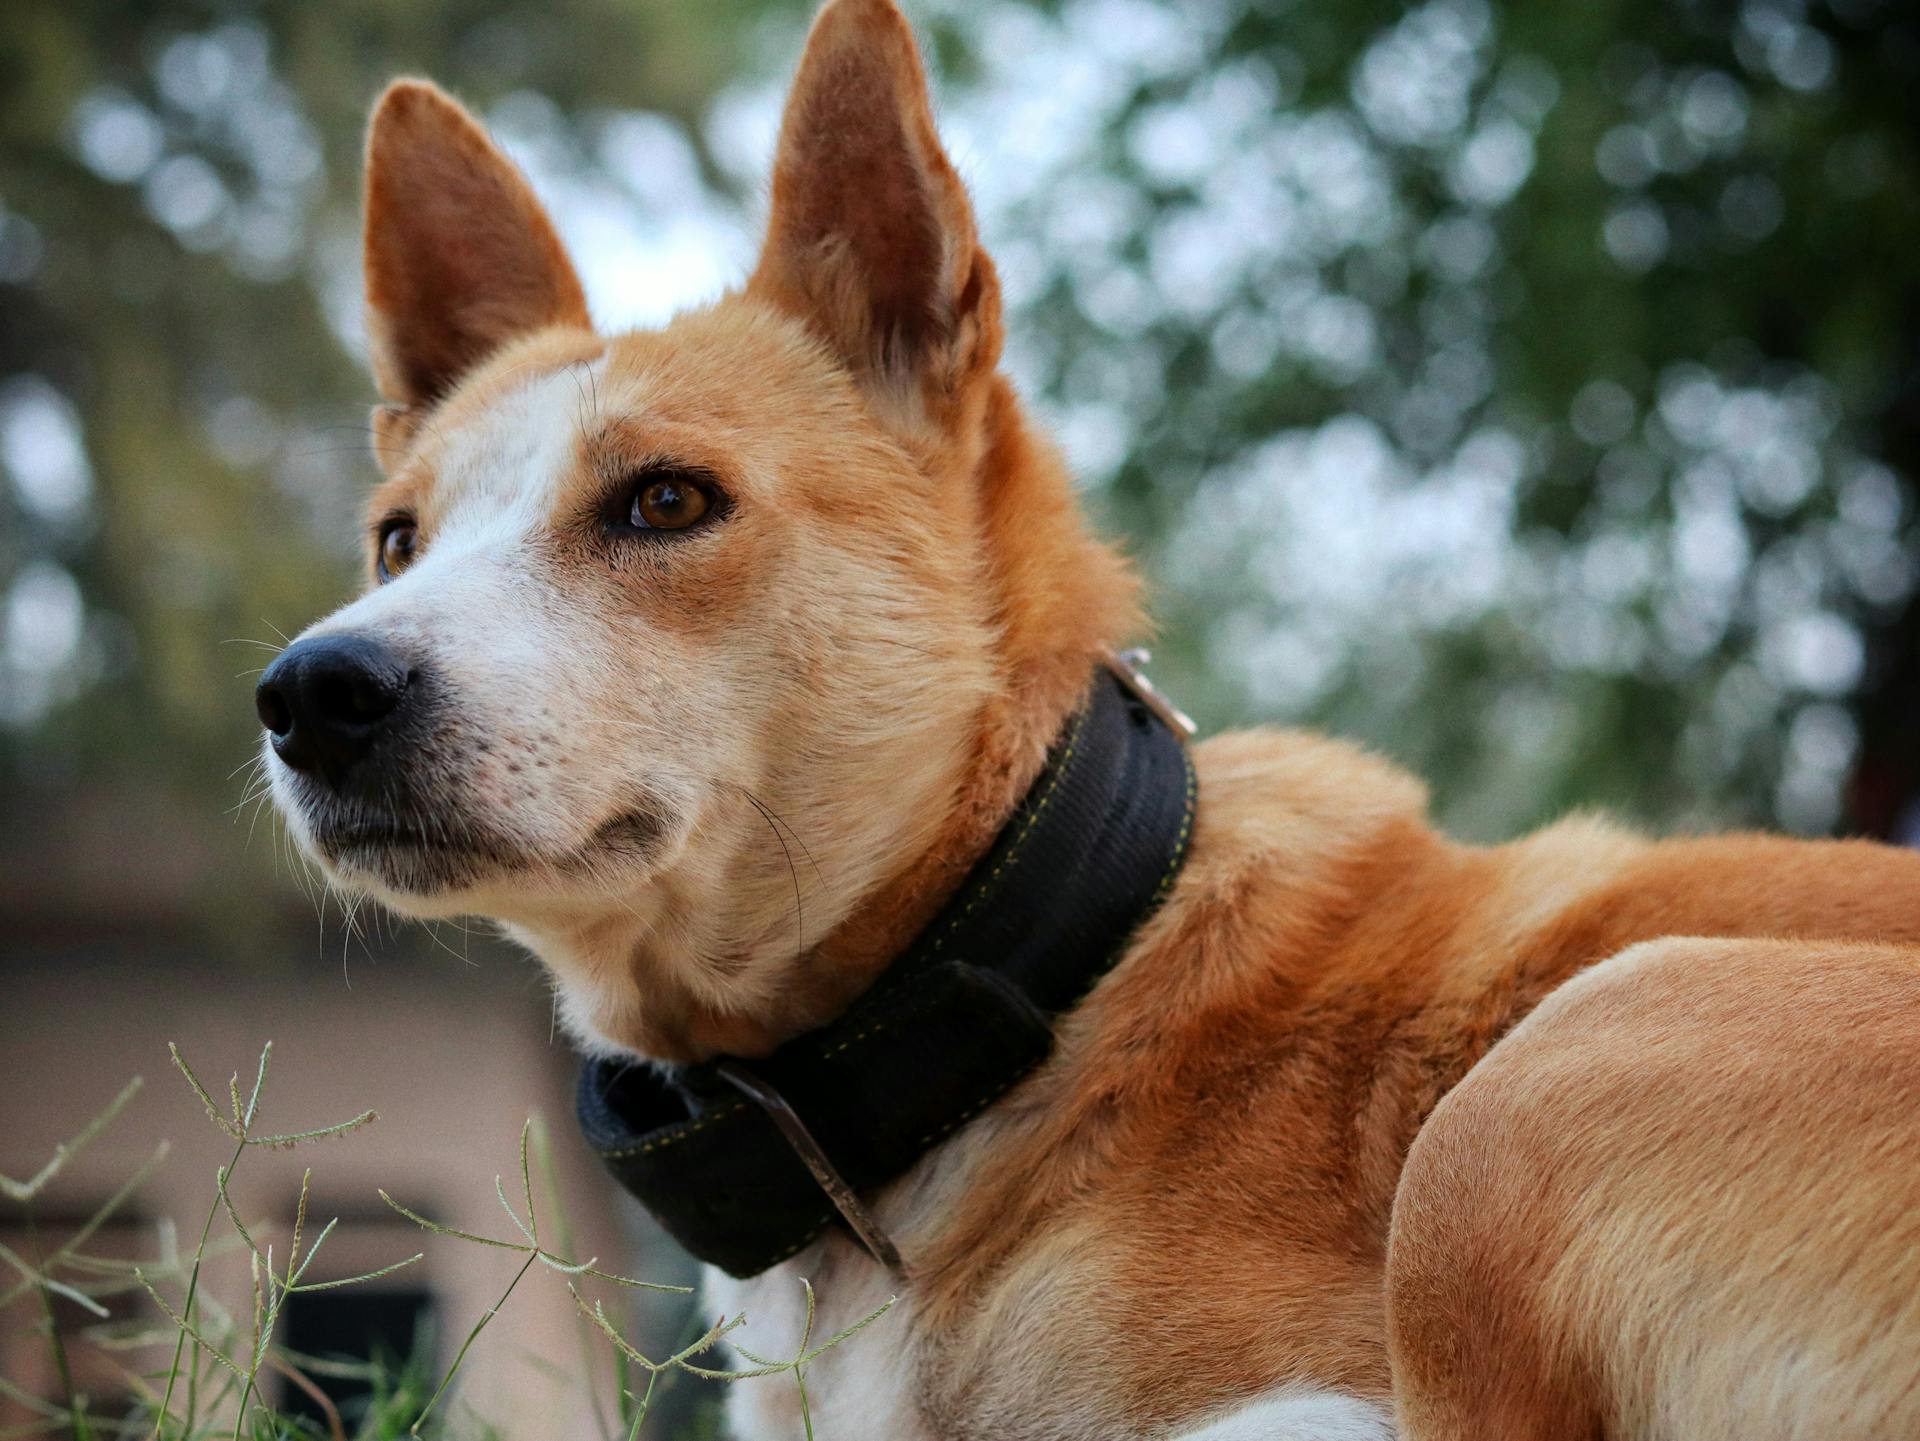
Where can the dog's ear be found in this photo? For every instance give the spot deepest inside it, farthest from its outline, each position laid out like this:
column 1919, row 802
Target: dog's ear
column 871, row 240
column 459, row 255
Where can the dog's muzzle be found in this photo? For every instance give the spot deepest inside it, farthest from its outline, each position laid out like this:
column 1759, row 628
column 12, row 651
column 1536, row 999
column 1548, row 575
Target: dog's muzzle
column 360, row 730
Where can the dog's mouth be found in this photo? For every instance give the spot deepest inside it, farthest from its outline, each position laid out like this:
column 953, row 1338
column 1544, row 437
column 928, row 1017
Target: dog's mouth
column 413, row 859
column 437, row 857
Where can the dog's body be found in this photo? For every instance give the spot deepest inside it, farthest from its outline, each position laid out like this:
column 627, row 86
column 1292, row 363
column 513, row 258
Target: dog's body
column 1367, row 1134
column 1201, row 1199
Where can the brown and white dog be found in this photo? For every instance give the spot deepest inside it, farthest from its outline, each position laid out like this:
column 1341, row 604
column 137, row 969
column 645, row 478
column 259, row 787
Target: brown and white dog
column 1368, row 1134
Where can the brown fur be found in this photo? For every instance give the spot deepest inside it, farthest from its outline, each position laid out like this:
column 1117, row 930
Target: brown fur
column 1677, row 1201
column 460, row 256
column 1230, row 1113
column 1207, row 1193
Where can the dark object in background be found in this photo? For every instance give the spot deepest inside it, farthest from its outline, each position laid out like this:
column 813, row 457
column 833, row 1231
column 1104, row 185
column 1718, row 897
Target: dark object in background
column 354, row 1325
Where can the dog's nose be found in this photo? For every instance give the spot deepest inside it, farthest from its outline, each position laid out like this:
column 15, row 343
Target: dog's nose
column 326, row 701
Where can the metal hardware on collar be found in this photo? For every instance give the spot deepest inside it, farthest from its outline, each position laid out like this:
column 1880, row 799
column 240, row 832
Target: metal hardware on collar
column 1127, row 665
column 879, row 1245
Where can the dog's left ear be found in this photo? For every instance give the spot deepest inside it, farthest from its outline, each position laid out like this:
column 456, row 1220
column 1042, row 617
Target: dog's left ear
column 460, row 257
column 871, row 240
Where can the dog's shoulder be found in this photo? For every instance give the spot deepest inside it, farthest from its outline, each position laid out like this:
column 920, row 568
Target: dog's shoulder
column 1272, row 785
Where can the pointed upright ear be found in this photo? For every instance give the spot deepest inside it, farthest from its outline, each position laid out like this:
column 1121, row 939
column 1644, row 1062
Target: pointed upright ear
column 460, row 257
column 871, row 241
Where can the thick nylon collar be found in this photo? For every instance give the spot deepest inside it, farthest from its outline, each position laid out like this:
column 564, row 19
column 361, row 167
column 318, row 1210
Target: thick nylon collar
column 957, row 1019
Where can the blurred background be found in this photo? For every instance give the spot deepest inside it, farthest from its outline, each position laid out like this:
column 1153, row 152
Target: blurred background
column 1532, row 392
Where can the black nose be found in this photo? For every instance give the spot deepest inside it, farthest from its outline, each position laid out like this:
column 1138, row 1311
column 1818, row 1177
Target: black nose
column 327, row 700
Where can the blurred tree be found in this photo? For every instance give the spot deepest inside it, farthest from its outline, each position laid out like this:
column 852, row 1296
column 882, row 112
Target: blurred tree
column 1513, row 387
column 1518, row 389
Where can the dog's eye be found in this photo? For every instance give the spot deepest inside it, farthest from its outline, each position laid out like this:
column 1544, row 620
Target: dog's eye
column 669, row 503
column 399, row 538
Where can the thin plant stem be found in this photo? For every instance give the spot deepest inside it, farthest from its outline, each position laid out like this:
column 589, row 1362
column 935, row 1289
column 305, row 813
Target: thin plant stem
column 237, row 1128
column 58, row 1346
column 472, row 1336
column 645, row 1403
column 193, row 1291
column 608, row 1426
column 64, row 1152
column 203, row 1323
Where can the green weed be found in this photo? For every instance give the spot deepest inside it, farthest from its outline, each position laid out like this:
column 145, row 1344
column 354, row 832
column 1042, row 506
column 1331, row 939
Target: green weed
column 210, row 1387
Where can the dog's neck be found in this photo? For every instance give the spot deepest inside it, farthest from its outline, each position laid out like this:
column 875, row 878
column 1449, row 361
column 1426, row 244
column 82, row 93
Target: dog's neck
column 1091, row 851
column 1008, row 750
column 1062, row 597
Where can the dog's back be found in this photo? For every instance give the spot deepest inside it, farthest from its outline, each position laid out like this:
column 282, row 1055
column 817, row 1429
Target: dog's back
column 1660, row 1193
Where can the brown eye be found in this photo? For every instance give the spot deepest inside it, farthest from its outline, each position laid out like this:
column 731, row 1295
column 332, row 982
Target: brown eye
column 398, row 540
column 672, row 503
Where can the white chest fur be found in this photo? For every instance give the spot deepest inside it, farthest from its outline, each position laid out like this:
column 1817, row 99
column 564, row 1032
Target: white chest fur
column 1021, row 1372
column 863, row 1387
column 868, row 1386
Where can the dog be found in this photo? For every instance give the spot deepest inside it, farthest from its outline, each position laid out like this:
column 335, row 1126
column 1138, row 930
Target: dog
column 738, row 667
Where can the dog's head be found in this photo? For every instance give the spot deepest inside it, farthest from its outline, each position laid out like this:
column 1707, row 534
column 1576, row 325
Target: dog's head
column 686, row 651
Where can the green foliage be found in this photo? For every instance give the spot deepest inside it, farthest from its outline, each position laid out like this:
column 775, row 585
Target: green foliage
column 1517, row 388
column 210, row 1383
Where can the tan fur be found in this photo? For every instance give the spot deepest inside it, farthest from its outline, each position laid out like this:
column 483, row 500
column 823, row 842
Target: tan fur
column 1672, row 1197
column 1677, row 1202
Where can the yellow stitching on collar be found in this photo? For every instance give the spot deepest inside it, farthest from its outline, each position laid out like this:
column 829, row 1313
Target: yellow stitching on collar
column 1186, row 826
column 987, row 884
column 818, row 1229
column 980, row 893
column 686, row 1129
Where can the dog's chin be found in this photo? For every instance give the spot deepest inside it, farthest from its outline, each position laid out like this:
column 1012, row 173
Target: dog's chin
column 455, row 870
column 410, row 874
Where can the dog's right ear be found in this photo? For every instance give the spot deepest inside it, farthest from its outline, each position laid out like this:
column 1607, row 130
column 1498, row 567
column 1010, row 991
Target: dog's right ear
column 459, row 255
column 871, row 240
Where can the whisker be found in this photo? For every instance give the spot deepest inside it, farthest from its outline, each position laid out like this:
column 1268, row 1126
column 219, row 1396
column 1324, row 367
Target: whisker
column 316, row 452
column 259, row 804
column 799, row 916
column 908, row 645
column 254, row 792
column 770, row 812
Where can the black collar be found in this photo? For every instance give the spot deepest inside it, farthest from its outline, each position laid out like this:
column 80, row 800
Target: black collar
column 964, row 1013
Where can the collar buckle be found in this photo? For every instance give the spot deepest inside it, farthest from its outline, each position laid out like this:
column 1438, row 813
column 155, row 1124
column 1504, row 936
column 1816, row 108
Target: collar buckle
column 1126, row 664
column 859, row 1219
